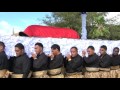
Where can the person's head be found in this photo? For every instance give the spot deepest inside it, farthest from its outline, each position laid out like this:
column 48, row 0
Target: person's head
column 103, row 49
column 19, row 49
column 90, row 50
column 74, row 51
column 116, row 51
column 55, row 49
column 38, row 48
column 2, row 46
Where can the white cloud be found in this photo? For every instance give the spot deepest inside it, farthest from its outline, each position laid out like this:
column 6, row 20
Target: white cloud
column 7, row 29
column 2, row 32
column 115, row 16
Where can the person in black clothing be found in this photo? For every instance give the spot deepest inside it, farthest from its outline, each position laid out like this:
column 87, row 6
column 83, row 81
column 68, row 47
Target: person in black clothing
column 91, row 63
column 40, row 62
column 92, row 60
column 104, row 62
column 115, row 57
column 56, row 62
column 3, row 61
column 115, row 63
column 74, row 64
column 21, row 63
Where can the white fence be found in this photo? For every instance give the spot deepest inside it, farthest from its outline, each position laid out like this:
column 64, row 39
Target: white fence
column 65, row 44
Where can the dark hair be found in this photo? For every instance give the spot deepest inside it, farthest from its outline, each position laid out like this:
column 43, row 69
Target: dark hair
column 20, row 46
column 103, row 46
column 55, row 46
column 116, row 48
column 75, row 48
column 2, row 44
column 39, row 44
column 91, row 47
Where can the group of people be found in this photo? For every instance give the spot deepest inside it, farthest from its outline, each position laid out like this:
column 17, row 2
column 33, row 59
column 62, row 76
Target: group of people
column 56, row 65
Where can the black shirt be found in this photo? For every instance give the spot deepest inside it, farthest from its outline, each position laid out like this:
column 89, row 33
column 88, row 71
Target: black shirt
column 91, row 61
column 115, row 60
column 105, row 61
column 3, row 60
column 21, row 65
column 41, row 63
column 75, row 65
column 57, row 62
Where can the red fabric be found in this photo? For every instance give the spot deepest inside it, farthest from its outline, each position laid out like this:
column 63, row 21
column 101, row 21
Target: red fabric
column 48, row 31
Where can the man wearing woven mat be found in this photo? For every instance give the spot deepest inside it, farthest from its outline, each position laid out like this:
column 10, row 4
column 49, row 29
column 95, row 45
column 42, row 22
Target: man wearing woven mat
column 40, row 62
column 74, row 64
column 115, row 64
column 91, row 63
column 56, row 62
column 104, row 62
column 3, row 61
column 21, row 64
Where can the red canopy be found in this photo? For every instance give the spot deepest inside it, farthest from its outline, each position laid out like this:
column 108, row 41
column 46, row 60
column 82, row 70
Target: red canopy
column 48, row 31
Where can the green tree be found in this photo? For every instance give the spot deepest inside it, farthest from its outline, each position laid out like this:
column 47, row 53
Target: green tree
column 95, row 20
column 99, row 30
column 114, row 32
column 64, row 19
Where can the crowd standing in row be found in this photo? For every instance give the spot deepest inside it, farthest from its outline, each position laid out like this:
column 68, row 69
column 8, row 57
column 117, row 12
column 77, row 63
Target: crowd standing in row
column 56, row 65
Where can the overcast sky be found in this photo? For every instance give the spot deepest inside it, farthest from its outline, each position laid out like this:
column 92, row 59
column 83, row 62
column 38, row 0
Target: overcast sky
column 20, row 20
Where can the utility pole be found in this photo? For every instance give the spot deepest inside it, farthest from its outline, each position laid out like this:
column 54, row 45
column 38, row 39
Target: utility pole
column 84, row 30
